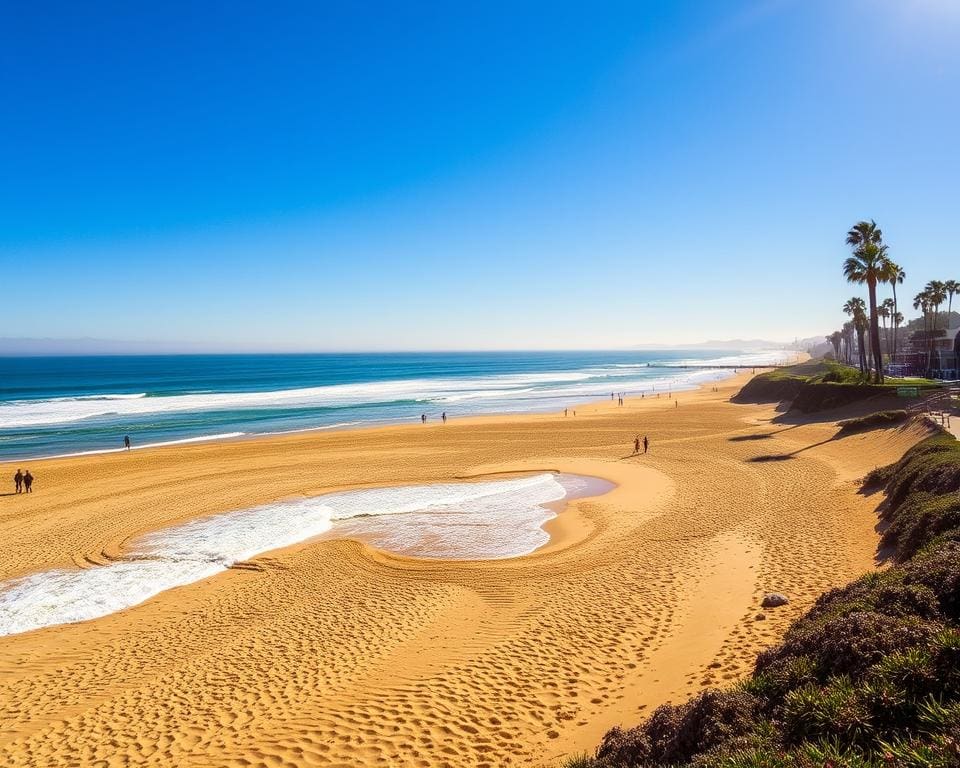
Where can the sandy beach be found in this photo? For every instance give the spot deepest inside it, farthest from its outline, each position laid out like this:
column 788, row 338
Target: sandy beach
column 333, row 653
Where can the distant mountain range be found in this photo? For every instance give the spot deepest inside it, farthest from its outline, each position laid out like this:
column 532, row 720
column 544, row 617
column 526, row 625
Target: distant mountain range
column 739, row 345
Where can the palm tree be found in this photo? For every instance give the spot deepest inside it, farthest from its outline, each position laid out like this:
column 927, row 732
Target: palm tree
column 922, row 302
column 897, row 276
column 856, row 308
column 952, row 287
column 851, row 333
column 848, row 332
column 835, row 338
column 869, row 264
column 885, row 310
column 937, row 293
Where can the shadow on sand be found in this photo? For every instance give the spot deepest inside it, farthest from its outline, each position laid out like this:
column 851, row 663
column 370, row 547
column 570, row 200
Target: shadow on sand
column 793, row 454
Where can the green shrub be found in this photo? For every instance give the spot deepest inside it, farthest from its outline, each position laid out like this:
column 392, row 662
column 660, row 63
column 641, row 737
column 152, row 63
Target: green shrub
column 850, row 644
column 582, row 760
column 676, row 734
column 778, row 679
column 873, row 421
column 836, row 710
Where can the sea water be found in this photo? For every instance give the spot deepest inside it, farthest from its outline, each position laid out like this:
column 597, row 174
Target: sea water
column 52, row 406
column 468, row 520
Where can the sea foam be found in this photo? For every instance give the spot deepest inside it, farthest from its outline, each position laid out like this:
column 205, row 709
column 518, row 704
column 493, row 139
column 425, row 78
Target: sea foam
column 533, row 389
column 475, row 520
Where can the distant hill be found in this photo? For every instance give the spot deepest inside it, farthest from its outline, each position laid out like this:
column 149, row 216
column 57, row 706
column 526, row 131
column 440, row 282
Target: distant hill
column 739, row 345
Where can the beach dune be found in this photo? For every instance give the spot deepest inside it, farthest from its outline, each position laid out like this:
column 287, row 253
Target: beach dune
column 333, row 653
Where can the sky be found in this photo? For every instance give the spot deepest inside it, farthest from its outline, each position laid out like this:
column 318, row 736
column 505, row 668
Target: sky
column 405, row 175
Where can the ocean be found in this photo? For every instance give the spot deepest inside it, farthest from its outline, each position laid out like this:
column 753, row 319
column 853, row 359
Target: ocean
column 54, row 406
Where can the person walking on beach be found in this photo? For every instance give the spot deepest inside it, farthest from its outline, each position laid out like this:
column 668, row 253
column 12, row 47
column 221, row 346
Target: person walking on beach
column 423, row 418
column 444, row 417
column 126, row 442
column 636, row 445
column 646, row 443
column 564, row 413
column 28, row 482
column 18, row 481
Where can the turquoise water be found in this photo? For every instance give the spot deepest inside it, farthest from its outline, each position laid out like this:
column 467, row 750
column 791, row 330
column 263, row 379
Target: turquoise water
column 62, row 405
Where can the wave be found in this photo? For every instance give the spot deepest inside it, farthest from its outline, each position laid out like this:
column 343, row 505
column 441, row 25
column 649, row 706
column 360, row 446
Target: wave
column 198, row 439
column 35, row 413
column 136, row 396
column 338, row 425
column 498, row 518
column 588, row 382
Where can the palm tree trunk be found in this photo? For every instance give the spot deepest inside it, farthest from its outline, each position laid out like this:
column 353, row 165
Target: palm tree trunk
column 875, row 331
column 864, row 364
column 896, row 325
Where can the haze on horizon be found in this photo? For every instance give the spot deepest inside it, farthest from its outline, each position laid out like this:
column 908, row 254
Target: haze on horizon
column 432, row 177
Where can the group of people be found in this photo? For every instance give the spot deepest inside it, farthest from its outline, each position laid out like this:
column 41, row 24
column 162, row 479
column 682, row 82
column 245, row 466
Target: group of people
column 443, row 417
column 618, row 398
column 637, row 443
column 23, row 481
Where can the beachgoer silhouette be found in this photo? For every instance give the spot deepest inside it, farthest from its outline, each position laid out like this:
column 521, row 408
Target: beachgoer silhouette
column 646, row 444
column 423, row 418
column 564, row 412
column 18, row 481
column 28, row 481
column 126, row 442
column 636, row 445
column 444, row 417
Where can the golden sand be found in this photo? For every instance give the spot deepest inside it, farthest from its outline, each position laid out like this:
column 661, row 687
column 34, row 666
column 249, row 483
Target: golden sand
column 331, row 653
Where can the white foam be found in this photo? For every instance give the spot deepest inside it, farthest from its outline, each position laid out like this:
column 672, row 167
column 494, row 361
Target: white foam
column 17, row 414
column 492, row 519
column 199, row 439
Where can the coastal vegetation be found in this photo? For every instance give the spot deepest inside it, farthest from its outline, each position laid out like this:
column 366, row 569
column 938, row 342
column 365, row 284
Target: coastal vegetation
column 868, row 678
column 820, row 385
column 869, row 265
column 873, row 330
column 871, row 420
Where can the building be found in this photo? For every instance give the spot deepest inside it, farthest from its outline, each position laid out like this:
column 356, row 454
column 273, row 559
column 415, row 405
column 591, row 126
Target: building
column 938, row 357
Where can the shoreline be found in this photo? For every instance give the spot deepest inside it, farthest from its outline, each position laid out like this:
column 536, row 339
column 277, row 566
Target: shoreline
column 334, row 652
column 277, row 442
column 243, row 435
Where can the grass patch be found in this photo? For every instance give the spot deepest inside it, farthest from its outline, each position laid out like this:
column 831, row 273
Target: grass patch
column 819, row 385
column 873, row 421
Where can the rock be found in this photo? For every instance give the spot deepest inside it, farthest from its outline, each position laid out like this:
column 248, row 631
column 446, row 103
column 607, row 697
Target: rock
column 760, row 617
column 774, row 599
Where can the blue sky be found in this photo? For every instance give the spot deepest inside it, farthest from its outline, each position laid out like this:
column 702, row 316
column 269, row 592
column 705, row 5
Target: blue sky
column 301, row 176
